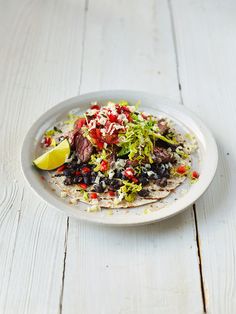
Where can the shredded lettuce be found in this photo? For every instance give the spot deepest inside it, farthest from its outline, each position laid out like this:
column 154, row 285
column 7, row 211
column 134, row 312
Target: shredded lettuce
column 138, row 140
column 49, row 132
column 56, row 129
column 167, row 140
column 123, row 103
column 85, row 196
column 181, row 153
column 138, row 103
column 129, row 190
column 71, row 118
column 97, row 158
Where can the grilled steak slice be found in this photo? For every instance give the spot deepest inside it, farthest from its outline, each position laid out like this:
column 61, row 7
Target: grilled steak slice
column 71, row 137
column 161, row 155
column 163, row 127
column 83, row 147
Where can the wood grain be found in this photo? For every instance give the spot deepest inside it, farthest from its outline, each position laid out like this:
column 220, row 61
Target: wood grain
column 205, row 33
column 40, row 62
column 151, row 269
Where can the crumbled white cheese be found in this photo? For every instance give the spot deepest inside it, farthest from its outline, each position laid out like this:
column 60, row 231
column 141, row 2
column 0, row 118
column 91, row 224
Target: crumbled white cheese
column 111, row 174
column 103, row 131
column 102, row 120
column 155, row 128
column 101, row 174
column 63, row 194
column 132, row 108
column 91, row 112
column 123, row 117
column 97, row 180
column 94, row 201
column 140, row 117
column 149, row 173
column 103, row 184
column 73, row 201
column 92, row 124
column 112, row 107
column 110, row 127
column 94, row 208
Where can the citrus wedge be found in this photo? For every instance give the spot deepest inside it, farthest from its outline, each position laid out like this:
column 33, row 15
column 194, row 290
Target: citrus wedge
column 54, row 158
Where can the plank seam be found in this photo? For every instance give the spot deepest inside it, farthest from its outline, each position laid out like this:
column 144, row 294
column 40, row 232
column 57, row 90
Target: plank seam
column 175, row 49
column 203, row 293
column 83, row 43
column 79, row 88
column 199, row 260
column 64, row 264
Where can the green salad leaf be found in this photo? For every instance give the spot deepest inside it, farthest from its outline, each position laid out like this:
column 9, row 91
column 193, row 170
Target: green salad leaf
column 129, row 189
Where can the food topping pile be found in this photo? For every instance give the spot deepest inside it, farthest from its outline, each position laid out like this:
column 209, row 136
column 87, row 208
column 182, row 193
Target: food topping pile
column 118, row 151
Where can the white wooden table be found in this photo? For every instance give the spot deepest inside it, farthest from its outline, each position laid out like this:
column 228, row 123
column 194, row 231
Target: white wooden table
column 52, row 50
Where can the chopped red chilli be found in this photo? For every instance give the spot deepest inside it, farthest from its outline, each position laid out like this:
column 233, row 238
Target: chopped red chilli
column 129, row 173
column 47, row 141
column 195, row 175
column 80, row 123
column 83, row 186
column 104, row 166
column 60, row 169
column 93, row 195
column 85, row 170
column 181, row 169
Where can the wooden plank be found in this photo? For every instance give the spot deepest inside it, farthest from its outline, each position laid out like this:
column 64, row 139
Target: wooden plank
column 40, row 60
column 205, row 33
column 150, row 269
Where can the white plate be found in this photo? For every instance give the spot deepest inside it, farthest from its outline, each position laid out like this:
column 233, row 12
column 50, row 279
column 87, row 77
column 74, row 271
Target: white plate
column 205, row 160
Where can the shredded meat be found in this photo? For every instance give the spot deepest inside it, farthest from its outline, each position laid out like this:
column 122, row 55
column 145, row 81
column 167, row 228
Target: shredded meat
column 163, row 127
column 161, row 155
column 83, row 147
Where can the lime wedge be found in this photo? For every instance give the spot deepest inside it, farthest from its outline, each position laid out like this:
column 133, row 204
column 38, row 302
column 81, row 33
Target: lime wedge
column 54, row 158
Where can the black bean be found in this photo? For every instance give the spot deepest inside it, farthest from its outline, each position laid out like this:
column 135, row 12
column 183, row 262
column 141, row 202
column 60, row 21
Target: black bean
column 144, row 174
column 115, row 184
column 107, row 181
column 163, row 172
column 68, row 181
column 68, row 172
column 144, row 181
column 118, row 174
column 93, row 178
column 154, row 167
column 143, row 193
column 98, row 188
column 76, row 179
column 87, row 180
column 154, row 176
column 73, row 165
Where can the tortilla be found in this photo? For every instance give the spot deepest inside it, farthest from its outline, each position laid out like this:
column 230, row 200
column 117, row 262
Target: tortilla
column 106, row 201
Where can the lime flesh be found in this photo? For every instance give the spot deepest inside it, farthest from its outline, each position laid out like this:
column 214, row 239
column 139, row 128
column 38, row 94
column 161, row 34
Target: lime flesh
column 53, row 158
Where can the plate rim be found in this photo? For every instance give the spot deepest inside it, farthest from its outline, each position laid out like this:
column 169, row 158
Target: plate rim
column 136, row 219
